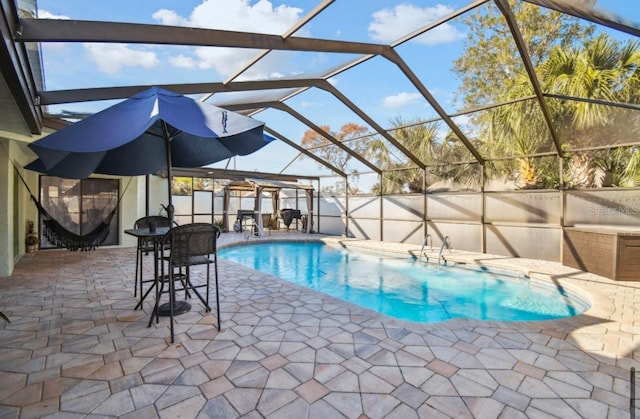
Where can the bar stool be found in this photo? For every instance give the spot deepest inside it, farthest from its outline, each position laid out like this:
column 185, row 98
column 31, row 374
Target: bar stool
column 182, row 248
column 145, row 247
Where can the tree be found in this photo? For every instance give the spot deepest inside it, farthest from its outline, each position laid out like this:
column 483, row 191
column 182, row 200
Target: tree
column 488, row 64
column 184, row 186
column 402, row 175
column 600, row 69
column 568, row 61
column 350, row 134
column 491, row 73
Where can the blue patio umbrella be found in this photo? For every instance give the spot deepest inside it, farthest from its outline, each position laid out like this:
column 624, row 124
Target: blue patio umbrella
column 152, row 131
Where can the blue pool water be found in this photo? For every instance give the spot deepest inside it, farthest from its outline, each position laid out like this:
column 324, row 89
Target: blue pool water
column 405, row 288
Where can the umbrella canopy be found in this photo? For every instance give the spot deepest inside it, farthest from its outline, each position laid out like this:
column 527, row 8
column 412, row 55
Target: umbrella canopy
column 130, row 138
column 151, row 131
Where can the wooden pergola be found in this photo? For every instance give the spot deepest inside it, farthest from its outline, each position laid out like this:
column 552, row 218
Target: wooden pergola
column 257, row 187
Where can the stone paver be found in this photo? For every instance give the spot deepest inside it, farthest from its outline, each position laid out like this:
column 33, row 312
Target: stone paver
column 75, row 347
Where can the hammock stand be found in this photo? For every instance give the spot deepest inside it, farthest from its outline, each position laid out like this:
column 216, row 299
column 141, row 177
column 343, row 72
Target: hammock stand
column 57, row 234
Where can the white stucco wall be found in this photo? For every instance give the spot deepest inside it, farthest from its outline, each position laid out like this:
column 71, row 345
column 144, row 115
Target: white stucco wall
column 6, row 235
column 132, row 205
column 14, row 152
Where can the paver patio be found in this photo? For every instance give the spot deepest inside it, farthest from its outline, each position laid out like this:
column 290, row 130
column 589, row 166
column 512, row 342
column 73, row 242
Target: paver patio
column 76, row 348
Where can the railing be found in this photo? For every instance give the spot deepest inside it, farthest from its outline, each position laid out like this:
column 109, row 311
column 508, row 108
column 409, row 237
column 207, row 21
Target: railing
column 424, row 242
column 445, row 242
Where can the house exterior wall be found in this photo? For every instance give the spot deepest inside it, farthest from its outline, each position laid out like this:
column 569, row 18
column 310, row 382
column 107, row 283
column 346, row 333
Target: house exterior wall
column 6, row 234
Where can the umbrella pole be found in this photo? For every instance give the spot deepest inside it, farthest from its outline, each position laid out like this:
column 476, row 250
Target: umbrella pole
column 146, row 195
column 170, row 209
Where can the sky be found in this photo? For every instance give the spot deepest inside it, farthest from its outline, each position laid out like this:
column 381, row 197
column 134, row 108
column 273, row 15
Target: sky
column 376, row 86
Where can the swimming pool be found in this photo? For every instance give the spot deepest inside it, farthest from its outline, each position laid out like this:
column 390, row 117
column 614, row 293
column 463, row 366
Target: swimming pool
column 405, row 288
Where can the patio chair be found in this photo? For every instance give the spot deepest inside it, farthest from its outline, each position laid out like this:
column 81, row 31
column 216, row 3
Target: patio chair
column 184, row 247
column 288, row 215
column 268, row 223
column 144, row 247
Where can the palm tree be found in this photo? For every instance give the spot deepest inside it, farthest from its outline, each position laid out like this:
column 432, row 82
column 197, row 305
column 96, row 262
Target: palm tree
column 439, row 155
column 421, row 139
column 603, row 70
column 517, row 130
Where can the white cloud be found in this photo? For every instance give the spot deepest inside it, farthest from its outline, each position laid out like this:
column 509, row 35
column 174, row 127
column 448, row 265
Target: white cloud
column 234, row 15
column 110, row 58
column 44, row 14
column 401, row 99
column 389, row 25
column 169, row 17
column 239, row 15
column 182, row 61
column 223, row 60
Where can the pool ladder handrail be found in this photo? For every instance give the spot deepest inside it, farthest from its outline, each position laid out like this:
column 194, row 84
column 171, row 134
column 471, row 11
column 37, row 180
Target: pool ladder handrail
column 445, row 242
column 424, row 242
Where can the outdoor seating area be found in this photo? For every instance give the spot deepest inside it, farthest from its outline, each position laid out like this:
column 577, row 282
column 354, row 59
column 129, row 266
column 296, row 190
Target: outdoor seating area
column 76, row 346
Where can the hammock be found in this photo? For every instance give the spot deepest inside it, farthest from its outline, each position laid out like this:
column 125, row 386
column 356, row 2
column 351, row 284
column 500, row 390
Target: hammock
column 57, row 234
column 61, row 237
